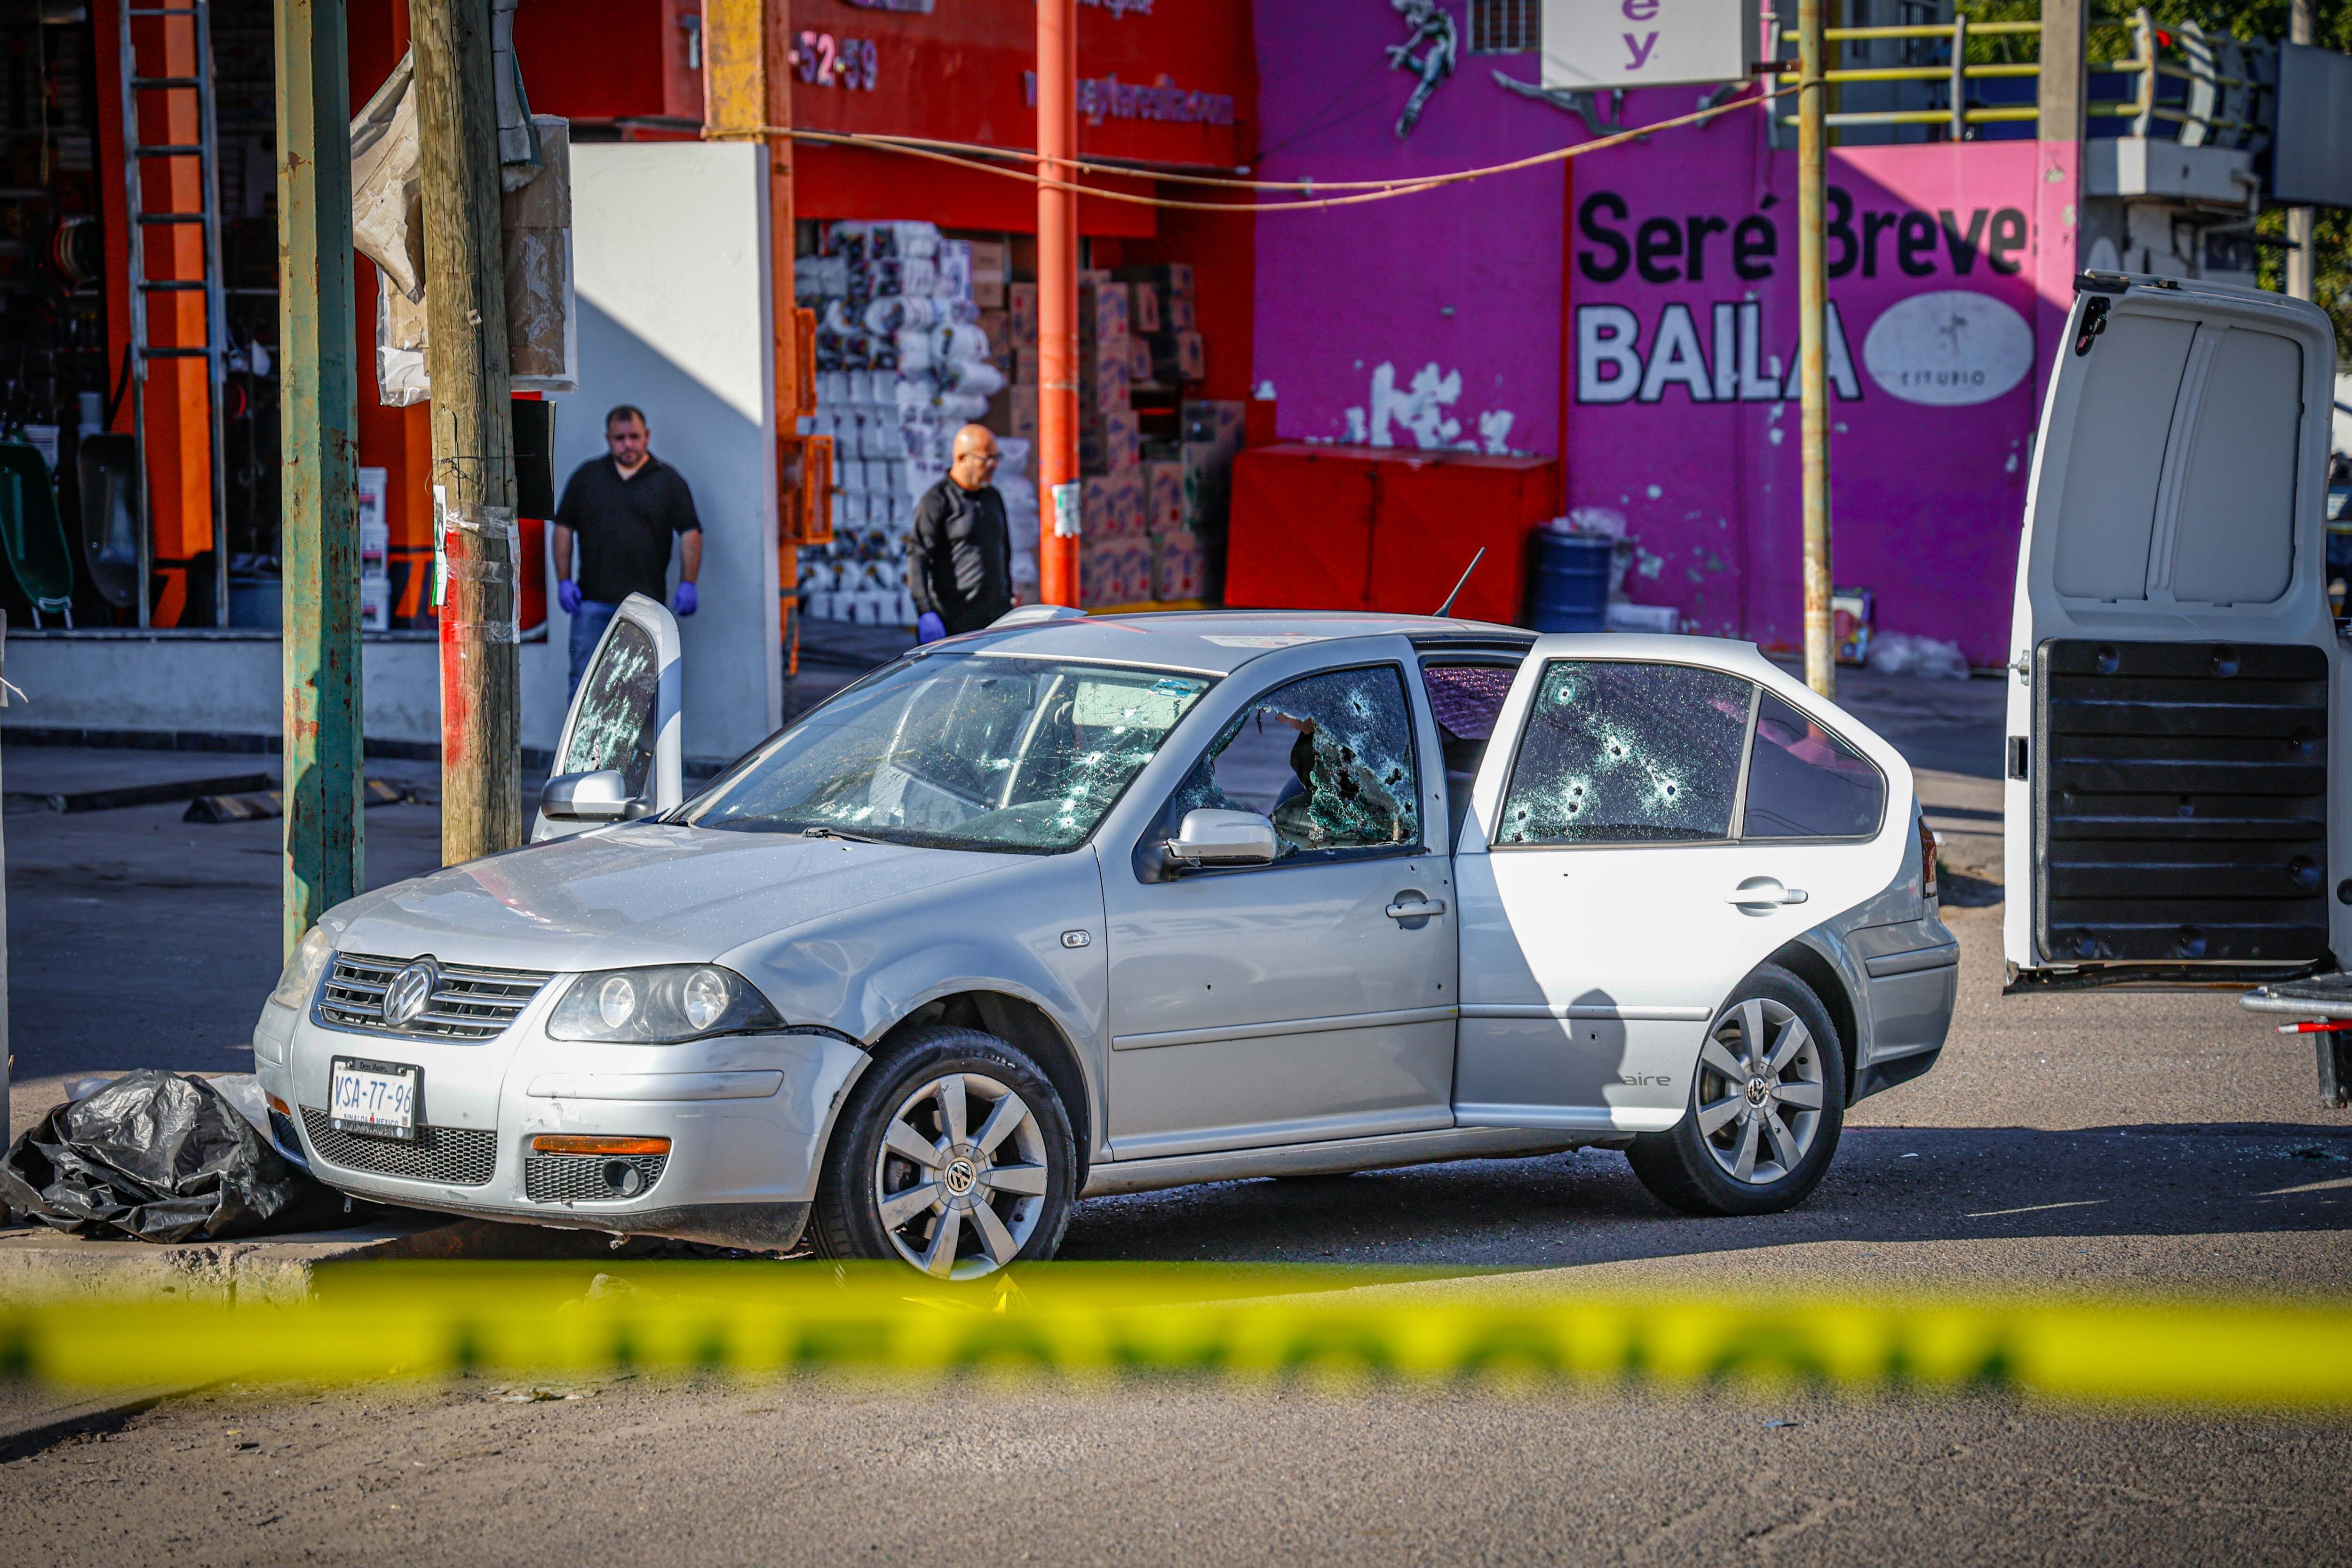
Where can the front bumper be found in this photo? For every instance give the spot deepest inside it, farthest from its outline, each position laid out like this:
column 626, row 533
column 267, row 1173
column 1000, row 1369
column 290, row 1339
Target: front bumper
column 746, row 1116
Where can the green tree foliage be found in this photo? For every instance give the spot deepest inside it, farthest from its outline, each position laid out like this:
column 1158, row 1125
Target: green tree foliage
column 2111, row 40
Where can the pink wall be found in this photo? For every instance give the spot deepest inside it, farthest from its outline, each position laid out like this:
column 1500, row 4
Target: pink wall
column 1438, row 320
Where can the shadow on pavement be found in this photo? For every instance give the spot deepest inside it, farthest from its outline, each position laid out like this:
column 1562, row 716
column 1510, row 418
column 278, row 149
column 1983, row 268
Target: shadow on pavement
column 1894, row 1185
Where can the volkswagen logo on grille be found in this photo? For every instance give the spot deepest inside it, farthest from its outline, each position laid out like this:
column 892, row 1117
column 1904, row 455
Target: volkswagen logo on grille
column 410, row 993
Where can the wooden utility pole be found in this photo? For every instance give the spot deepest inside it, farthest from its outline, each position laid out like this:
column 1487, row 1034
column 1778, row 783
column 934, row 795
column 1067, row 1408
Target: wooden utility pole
column 473, row 432
column 318, row 435
column 1057, row 303
column 1812, row 342
column 747, row 92
column 2300, row 232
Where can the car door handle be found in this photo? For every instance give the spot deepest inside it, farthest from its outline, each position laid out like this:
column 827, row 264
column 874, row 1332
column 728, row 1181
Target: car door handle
column 1762, row 892
column 1417, row 909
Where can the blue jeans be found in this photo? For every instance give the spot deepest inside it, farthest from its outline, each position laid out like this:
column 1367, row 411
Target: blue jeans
column 587, row 630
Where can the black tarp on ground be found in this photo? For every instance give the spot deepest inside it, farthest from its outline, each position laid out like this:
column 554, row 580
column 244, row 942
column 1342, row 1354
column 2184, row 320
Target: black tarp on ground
column 159, row 1156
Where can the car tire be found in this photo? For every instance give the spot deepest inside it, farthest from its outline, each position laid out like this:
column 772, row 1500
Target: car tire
column 926, row 1144
column 1757, row 1140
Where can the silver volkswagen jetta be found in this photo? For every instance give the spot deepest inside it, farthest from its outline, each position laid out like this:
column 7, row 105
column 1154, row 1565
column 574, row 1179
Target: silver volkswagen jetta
column 1083, row 905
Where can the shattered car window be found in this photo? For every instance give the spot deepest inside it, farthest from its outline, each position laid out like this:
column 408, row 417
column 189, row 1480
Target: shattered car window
column 1328, row 758
column 1627, row 754
column 616, row 724
column 959, row 750
column 1805, row 783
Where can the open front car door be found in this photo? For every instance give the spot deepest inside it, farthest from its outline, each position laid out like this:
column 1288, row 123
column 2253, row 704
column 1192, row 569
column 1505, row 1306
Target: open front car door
column 2168, row 814
column 624, row 720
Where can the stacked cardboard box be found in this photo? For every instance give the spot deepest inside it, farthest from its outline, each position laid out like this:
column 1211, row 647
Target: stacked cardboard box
column 1164, row 324
column 1152, row 530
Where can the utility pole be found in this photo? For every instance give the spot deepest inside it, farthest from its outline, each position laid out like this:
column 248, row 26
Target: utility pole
column 320, row 537
column 473, row 431
column 2300, row 230
column 1057, row 303
column 1812, row 342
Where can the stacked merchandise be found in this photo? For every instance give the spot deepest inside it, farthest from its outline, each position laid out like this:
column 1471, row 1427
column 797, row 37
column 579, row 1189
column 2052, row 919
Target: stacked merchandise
column 1213, row 436
column 1166, row 331
column 1139, row 530
column 902, row 363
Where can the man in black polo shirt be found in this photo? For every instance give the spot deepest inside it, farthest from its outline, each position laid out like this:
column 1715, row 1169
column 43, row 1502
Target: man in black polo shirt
column 624, row 507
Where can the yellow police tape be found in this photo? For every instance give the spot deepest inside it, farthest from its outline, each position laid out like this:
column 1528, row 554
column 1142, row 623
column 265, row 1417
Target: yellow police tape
column 415, row 1320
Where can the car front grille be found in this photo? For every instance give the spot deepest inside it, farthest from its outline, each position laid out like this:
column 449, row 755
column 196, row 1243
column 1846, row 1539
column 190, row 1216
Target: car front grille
column 458, row 1156
column 470, row 1004
column 580, row 1178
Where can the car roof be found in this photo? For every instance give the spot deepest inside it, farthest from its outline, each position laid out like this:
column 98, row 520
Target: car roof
column 1218, row 642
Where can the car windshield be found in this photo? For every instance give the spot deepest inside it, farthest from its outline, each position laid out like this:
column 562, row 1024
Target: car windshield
column 957, row 751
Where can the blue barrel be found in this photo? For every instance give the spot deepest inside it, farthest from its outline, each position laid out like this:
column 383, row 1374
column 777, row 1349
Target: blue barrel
column 1568, row 591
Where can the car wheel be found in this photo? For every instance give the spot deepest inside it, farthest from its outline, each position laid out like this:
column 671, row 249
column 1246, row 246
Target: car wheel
column 1766, row 1103
column 953, row 1155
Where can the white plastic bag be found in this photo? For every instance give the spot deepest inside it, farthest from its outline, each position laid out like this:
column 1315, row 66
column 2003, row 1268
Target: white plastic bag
column 1897, row 653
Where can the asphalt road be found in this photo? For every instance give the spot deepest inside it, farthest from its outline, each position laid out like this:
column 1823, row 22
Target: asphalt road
column 2065, row 1147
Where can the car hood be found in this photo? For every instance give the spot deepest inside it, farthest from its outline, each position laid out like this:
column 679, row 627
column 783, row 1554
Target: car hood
column 646, row 893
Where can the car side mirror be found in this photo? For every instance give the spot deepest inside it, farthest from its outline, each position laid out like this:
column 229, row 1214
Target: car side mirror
column 1209, row 838
column 600, row 797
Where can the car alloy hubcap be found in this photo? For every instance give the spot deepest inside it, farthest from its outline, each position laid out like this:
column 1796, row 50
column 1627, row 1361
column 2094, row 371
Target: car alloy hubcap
column 959, row 1179
column 410, row 993
column 1759, row 1091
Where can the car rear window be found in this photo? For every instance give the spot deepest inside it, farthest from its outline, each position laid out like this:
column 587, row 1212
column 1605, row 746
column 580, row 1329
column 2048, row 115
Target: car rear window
column 1627, row 752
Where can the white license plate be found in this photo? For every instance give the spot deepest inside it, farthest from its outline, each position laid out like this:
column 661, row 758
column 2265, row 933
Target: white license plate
column 378, row 1099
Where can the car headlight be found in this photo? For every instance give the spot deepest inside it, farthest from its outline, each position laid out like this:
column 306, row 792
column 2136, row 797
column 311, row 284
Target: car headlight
column 300, row 977
column 660, row 1005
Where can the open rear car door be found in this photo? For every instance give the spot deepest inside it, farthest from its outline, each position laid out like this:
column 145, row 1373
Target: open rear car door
column 624, row 718
column 2169, row 818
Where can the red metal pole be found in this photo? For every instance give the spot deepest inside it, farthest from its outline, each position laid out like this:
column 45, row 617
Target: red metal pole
column 1058, row 304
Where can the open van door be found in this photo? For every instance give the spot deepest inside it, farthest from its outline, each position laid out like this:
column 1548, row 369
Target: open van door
column 625, row 718
column 2168, row 816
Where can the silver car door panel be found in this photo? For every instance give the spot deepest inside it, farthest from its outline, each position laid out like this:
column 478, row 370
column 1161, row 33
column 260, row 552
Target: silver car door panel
column 1657, row 817
column 1281, row 1002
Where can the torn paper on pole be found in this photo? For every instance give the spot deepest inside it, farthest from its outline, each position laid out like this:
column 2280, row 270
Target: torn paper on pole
column 387, row 202
column 542, row 329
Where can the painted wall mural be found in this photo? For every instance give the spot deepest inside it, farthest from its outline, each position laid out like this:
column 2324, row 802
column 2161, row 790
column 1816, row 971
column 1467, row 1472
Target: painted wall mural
column 1646, row 316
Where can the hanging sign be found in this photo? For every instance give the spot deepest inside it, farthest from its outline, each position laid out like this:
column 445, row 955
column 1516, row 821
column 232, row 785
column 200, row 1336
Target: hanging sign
column 1602, row 44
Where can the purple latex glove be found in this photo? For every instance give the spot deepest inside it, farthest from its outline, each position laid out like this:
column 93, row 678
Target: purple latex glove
column 929, row 627
column 567, row 594
column 687, row 600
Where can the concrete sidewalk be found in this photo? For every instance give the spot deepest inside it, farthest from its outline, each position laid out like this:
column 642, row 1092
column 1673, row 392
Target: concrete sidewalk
column 40, row 1265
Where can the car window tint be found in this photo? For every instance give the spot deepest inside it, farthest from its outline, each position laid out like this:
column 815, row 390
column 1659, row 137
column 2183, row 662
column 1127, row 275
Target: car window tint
column 1466, row 699
column 615, row 727
column 1626, row 752
column 1329, row 759
column 1805, row 783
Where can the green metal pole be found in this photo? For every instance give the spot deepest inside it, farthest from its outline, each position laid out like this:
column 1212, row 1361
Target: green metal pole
column 319, row 422
column 1812, row 343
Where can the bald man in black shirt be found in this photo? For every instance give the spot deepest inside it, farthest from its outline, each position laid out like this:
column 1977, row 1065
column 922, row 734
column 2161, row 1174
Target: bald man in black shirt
column 959, row 551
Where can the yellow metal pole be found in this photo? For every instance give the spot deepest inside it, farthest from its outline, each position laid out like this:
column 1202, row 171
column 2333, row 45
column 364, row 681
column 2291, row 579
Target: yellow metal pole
column 747, row 92
column 1813, row 344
